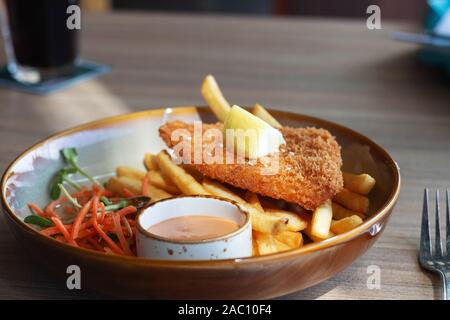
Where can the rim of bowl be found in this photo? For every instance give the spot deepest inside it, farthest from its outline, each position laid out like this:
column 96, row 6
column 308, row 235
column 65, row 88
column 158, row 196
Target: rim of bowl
column 148, row 234
column 313, row 247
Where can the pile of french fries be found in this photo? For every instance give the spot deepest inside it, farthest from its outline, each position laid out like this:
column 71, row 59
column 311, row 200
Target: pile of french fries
column 277, row 225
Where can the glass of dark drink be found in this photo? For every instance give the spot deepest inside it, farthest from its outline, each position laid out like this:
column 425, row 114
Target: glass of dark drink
column 40, row 42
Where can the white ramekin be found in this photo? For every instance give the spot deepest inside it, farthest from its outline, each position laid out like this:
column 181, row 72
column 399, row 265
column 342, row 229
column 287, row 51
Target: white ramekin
column 237, row 244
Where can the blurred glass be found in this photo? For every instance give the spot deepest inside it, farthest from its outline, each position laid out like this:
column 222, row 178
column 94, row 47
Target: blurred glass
column 38, row 41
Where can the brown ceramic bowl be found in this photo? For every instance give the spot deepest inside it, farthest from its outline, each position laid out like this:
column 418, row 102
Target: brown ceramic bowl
column 123, row 140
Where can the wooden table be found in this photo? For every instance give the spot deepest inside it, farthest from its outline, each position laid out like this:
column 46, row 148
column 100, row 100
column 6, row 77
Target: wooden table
column 334, row 69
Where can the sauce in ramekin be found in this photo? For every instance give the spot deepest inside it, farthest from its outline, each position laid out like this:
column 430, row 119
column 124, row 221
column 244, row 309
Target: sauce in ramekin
column 193, row 227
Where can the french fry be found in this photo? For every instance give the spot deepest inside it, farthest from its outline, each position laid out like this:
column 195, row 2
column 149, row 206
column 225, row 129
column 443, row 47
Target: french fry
column 263, row 222
column 150, row 162
column 255, row 251
column 118, row 184
column 296, row 222
column 124, row 171
column 281, row 246
column 307, row 231
column 262, row 113
column 184, row 181
column 359, row 183
column 352, row 200
column 252, row 198
column 218, row 189
column 157, row 179
column 260, row 221
column 214, row 98
column 339, row 212
column 156, row 193
column 293, row 239
column 162, row 189
column 321, row 220
column 346, row 224
column 267, row 243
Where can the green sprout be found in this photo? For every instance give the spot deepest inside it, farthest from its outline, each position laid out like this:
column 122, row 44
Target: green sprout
column 70, row 157
column 38, row 221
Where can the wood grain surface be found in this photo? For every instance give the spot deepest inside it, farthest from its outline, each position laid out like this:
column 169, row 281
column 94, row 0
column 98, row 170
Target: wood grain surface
column 335, row 69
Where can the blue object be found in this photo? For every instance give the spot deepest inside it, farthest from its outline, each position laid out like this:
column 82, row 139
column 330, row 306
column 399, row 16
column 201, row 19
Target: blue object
column 433, row 54
column 84, row 70
column 436, row 10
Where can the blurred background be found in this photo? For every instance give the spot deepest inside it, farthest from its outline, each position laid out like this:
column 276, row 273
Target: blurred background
column 392, row 9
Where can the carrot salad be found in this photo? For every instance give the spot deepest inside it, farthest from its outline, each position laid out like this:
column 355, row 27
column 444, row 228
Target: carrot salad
column 90, row 217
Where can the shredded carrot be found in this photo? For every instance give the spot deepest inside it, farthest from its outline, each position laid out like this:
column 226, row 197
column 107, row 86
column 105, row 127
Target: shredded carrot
column 95, row 205
column 60, row 239
column 34, row 207
column 127, row 193
column 107, row 193
column 83, row 200
column 108, row 250
column 95, row 244
column 84, row 192
column 119, row 232
column 102, row 212
column 92, row 233
column 145, row 186
column 105, row 237
column 85, row 225
column 58, row 224
column 127, row 226
column 50, row 231
column 86, row 233
column 50, row 209
column 84, row 230
column 97, row 189
column 127, row 210
column 68, row 209
column 79, row 219
column 85, row 244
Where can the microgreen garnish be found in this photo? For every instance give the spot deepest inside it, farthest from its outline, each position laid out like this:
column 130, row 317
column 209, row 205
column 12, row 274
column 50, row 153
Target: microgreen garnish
column 70, row 157
column 60, row 177
column 105, row 201
column 39, row 221
column 68, row 196
column 138, row 202
column 118, row 205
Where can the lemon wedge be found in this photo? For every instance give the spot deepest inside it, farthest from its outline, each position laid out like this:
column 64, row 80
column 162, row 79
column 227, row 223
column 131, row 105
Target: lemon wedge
column 249, row 135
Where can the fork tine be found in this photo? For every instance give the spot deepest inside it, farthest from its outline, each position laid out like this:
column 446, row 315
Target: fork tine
column 447, row 236
column 425, row 243
column 438, row 243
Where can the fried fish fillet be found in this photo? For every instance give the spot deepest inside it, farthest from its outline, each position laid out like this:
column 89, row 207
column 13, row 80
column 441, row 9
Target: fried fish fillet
column 309, row 165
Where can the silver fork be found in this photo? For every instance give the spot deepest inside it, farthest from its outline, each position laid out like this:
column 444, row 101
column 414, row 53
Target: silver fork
column 436, row 260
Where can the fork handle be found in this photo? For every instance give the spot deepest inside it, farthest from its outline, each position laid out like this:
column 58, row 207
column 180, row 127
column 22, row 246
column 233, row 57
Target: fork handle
column 445, row 276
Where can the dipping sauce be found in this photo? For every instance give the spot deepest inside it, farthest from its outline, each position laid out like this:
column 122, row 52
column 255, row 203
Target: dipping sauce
column 193, row 227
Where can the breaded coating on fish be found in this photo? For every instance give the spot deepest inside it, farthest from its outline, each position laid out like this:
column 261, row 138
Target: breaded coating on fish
column 309, row 165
